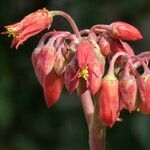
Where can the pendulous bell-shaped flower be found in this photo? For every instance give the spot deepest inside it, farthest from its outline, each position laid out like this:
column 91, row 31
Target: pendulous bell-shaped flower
column 43, row 61
column 29, row 26
column 91, row 67
column 52, row 85
column 128, row 91
column 108, row 99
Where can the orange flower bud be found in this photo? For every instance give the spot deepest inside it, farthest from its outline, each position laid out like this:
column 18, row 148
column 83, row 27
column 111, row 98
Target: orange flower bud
column 108, row 98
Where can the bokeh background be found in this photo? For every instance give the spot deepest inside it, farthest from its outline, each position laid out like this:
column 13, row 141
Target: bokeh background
column 25, row 121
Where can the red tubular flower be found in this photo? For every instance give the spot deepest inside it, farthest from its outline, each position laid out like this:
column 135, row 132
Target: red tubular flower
column 104, row 46
column 95, row 75
column 31, row 25
column 91, row 68
column 85, row 70
column 85, row 53
column 43, row 62
column 128, row 92
column 144, row 89
column 52, row 86
column 124, row 31
column 108, row 98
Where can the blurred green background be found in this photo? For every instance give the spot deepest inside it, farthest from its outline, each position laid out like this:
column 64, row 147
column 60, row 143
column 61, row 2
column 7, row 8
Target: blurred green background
column 25, row 121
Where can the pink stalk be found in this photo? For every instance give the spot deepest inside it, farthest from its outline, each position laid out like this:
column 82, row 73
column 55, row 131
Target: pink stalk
column 101, row 27
column 97, row 129
column 97, row 132
column 144, row 54
column 45, row 36
column 70, row 20
column 112, row 62
column 128, row 66
column 85, row 31
column 140, row 61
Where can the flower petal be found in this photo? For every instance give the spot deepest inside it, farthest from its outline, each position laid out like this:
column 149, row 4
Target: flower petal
column 52, row 86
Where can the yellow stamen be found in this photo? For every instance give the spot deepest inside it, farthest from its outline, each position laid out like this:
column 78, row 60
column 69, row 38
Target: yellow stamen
column 84, row 73
column 10, row 31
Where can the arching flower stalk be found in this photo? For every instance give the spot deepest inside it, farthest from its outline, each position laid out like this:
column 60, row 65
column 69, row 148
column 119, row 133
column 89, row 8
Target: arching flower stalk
column 77, row 61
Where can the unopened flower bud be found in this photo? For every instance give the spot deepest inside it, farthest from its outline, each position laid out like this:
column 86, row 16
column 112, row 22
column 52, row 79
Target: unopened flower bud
column 59, row 65
column 104, row 46
column 108, row 98
column 124, row 31
column 43, row 62
column 128, row 91
column 52, row 86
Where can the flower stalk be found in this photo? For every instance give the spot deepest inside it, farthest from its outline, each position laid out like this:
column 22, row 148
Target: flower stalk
column 96, row 127
column 69, row 19
column 97, row 131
